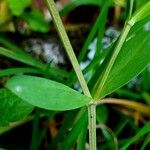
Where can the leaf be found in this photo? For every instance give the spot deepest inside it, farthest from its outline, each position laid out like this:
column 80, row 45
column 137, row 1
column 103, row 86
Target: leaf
column 36, row 20
column 12, row 71
column 132, row 59
column 110, row 137
column 75, row 132
column 142, row 132
column 76, row 3
column 46, row 94
column 17, row 6
column 140, row 14
column 12, row 108
column 19, row 56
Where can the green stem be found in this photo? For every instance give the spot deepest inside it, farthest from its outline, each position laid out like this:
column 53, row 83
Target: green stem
column 92, row 126
column 67, row 45
column 99, row 86
column 131, row 8
column 139, row 107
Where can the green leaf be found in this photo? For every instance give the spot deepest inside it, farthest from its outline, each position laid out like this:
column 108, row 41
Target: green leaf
column 110, row 137
column 19, row 56
column 132, row 59
column 12, row 108
column 12, row 71
column 46, row 94
column 142, row 132
column 17, row 6
column 140, row 14
column 75, row 132
column 76, row 3
column 146, row 142
column 36, row 20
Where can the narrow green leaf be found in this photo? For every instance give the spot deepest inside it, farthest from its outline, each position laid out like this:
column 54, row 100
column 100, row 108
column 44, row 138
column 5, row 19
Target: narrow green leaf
column 17, row 6
column 25, row 58
column 76, row 130
column 12, row 108
column 109, row 135
column 140, row 14
column 76, row 3
column 146, row 142
column 12, row 71
column 22, row 57
column 142, row 132
column 46, row 94
column 67, row 124
column 101, row 28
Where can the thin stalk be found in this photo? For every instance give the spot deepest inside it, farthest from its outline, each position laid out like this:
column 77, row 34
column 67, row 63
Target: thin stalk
column 139, row 107
column 100, row 84
column 67, row 45
column 92, row 126
column 131, row 8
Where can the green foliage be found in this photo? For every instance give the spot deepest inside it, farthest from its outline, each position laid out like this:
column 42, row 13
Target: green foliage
column 108, row 71
column 142, row 132
column 130, row 55
column 19, row 56
column 12, row 108
column 17, row 7
column 36, row 21
column 46, row 94
column 141, row 14
column 76, row 3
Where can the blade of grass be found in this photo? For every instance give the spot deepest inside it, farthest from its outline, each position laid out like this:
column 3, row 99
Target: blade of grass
column 146, row 142
column 24, row 58
column 82, row 138
column 102, row 24
column 142, row 132
column 12, row 71
column 35, row 131
column 53, row 72
column 67, row 124
column 72, row 137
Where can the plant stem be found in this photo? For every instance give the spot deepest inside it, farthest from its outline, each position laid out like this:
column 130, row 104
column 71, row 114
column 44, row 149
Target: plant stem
column 67, row 45
column 139, row 107
column 131, row 8
column 92, row 126
column 100, row 84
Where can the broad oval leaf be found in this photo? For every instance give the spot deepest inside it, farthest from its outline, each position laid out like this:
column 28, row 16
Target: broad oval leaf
column 46, row 94
column 12, row 108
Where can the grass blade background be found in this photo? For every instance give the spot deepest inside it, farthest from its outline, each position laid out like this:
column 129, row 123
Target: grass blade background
column 142, row 132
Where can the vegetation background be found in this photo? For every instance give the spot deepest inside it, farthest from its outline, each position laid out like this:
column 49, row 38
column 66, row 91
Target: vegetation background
column 30, row 45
